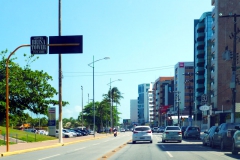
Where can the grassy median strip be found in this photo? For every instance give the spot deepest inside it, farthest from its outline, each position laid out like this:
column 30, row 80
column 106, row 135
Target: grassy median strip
column 16, row 135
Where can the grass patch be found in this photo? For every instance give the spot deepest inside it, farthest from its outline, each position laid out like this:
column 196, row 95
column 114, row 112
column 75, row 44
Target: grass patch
column 3, row 143
column 25, row 136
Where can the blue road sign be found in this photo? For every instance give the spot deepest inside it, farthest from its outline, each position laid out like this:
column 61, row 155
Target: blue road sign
column 65, row 40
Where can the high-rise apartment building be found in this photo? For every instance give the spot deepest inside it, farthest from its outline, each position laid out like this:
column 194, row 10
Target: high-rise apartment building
column 143, row 108
column 183, row 84
column 150, row 103
column 162, row 96
column 134, row 111
column 223, row 75
column 202, row 62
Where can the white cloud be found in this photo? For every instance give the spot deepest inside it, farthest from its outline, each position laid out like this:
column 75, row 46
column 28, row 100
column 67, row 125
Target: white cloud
column 71, row 112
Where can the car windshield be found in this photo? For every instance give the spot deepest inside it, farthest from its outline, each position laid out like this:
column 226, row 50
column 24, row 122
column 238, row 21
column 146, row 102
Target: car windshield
column 173, row 128
column 142, row 129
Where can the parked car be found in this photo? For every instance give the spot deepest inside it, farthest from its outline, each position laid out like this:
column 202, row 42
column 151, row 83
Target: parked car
column 42, row 132
column 207, row 137
column 64, row 134
column 161, row 129
column 78, row 134
column 223, row 136
column 91, row 132
column 236, row 141
column 192, row 132
column 69, row 131
column 172, row 133
column 142, row 133
column 154, row 129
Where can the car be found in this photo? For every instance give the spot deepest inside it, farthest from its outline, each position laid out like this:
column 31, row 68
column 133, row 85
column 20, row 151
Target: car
column 122, row 130
column 236, row 141
column 172, row 133
column 207, row 137
column 64, row 134
column 71, row 132
column 192, row 132
column 142, row 133
column 154, row 129
column 223, row 136
column 161, row 129
column 42, row 132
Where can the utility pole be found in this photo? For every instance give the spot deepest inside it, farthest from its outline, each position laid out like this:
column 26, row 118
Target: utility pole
column 82, row 104
column 233, row 80
column 178, row 104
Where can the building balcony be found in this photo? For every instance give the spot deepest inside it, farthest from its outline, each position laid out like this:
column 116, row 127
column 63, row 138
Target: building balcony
column 200, row 53
column 200, row 27
column 200, row 62
column 200, row 69
column 200, row 45
column 200, row 36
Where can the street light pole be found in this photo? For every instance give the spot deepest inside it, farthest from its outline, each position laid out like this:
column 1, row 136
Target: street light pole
column 82, row 104
column 92, row 65
column 233, row 80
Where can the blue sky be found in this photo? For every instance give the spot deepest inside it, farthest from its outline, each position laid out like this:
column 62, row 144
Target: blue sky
column 143, row 38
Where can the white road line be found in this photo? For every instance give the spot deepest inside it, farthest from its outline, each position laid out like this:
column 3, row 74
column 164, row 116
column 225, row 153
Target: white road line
column 96, row 144
column 169, row 154
column 50, row 157
column 79, row 148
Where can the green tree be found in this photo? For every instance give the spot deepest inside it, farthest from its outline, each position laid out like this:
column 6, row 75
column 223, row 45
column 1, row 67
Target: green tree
column 28, row 89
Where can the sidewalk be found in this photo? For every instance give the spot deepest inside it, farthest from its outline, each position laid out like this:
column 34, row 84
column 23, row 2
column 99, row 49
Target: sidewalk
column 28, row 147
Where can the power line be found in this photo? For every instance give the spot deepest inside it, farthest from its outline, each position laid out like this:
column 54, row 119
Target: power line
column 107, row 73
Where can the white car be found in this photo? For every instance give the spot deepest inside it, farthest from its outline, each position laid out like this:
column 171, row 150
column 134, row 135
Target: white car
column 142, row 133
column 122, row 130
column 71, row 132
column 42, row 132
column 172, row 133
column 64, row 134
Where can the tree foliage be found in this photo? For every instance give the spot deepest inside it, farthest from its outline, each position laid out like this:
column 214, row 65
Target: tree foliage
column 28, row 90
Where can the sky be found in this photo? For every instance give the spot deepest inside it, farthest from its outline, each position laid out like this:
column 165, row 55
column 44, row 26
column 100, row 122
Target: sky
column 144, row 39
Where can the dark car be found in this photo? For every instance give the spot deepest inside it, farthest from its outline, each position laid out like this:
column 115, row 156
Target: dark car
column 192, row 132
column 223, row 135
column 207, row 138
column 183, row 129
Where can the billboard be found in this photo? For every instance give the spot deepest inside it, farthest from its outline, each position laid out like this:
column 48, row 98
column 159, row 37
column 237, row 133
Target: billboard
column 52, row 121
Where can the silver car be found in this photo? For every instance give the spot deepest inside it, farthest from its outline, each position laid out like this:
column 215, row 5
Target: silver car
column 142, row 133
column 172, row 133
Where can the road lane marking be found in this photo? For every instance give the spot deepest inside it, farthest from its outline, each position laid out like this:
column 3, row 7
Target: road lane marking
column 79, row 148
column 50, row 157
column 96, row 144
column 169, row 154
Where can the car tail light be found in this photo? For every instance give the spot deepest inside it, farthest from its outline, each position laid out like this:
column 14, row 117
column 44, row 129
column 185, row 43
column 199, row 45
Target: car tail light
column 135, row 132
column 149, row 131
column 179, row 132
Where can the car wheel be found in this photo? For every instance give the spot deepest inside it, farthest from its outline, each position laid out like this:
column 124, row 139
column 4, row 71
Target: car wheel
column 222, row 145
column 134, row 142
column 163, row 141
column 180, row 141
column 234, row 151
column 150, row 141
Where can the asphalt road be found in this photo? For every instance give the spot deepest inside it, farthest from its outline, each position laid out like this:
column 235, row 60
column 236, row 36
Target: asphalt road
column 121, row 148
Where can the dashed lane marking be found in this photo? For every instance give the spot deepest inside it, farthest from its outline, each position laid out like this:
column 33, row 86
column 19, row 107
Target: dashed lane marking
column 169, row 154
column 50, row 157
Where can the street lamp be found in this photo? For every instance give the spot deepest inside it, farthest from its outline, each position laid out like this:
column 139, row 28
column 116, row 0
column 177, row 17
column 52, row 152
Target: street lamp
column 190, row 80
column 234, row 60
column 111, row 98
column 82, row 104
column 92, row 65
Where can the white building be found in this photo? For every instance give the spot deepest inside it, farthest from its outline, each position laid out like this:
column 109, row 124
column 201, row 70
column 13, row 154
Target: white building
column 150, row 103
